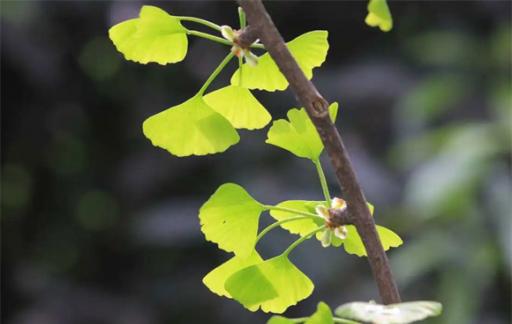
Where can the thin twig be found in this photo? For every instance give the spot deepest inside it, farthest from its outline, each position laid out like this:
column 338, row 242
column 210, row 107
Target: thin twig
column 317, row 109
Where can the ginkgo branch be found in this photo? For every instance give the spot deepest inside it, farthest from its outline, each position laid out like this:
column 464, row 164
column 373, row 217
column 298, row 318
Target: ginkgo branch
column 302, row 239
column 317, row 109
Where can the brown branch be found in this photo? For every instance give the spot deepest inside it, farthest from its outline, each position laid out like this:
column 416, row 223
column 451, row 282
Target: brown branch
column 317, row 108
column 247, row 36
column 339, row 217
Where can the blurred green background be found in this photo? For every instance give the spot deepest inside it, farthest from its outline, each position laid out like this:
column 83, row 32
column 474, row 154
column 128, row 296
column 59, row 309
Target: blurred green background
column 98, row 226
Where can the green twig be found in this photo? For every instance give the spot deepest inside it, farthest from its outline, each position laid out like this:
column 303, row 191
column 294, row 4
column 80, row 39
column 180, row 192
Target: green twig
column 217, row 39
column 302, row 239
column 200, row 21
column 209, row 37
column 214, row 74
column 323, row 181
column 241, row 17
column 279, row 223
column 292, row 211
column 240, row 64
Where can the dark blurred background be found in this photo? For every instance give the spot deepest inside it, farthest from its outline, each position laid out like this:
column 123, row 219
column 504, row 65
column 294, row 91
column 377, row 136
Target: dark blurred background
column 98, row 226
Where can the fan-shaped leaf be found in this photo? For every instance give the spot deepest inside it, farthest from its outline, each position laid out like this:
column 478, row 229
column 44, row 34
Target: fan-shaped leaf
column 239, row 106
column 191, row 128
column 354, row 245
column 255, row 285
column 310, row 51
column 230, row 218
column 155, row 36
column 323, row 315
column 389, row 314
column 298, row 134
column 216, row 278
column 276, row 319
column 379, row 15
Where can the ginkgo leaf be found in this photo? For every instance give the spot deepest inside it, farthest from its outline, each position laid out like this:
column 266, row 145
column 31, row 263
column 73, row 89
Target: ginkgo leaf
column 239, row 106
column 191, row 128
column 216, row 278
column 155, row 36
column 354, row 245
column 309, row 50
column 323, row 315
column 230, row 218
column 379, row 15
column 298, row 134
column 252, row 286
column 389, row 314
column 303, row 226
column 277, row 319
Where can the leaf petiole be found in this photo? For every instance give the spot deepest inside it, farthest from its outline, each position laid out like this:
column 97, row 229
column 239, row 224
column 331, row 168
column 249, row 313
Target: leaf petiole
column 323, row 181
column 241, row 17
column 292, row 211
column 278, row 223
column 209, row 37
column 200, row 21
column 217, row 39
column 215, row 73
column 302, row 239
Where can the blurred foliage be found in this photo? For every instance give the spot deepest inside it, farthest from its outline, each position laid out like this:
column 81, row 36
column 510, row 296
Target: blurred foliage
column 455, row 156
column 99, row 227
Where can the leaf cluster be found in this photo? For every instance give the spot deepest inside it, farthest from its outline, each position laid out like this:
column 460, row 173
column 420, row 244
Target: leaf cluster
column 207, row 123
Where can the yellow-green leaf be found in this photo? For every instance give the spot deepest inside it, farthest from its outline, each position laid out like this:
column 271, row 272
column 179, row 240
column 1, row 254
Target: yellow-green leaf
column 230, row 218
column 276, row 319
column 155, row 36
column 255, row 286
column 379, row 15
column 239, row 106
column 191, row 128
column 298, row 134
column 309, row 50
column 216, row 278
column 323, row 315
column 354, row 245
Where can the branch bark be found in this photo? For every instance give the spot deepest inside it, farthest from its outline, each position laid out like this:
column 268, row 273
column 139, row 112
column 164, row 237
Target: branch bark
column 317, row 109
column 247, row 36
